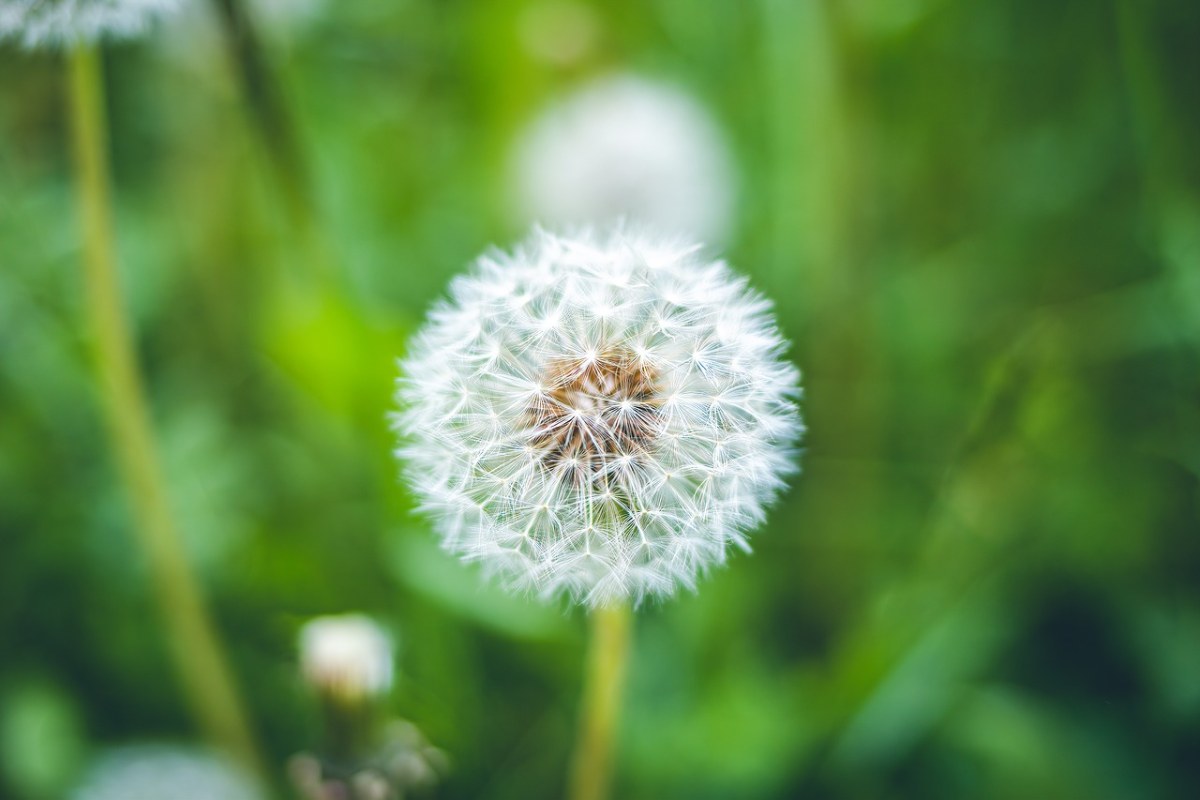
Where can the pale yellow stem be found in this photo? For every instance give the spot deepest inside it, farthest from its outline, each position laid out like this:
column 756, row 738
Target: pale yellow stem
column 604, row 680
column 201, row 665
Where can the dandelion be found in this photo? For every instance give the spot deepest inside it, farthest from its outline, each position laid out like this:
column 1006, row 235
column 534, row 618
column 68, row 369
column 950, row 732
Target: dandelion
column 347, row 656
column 365, row 755
column 157, row 771
column 39, row 23
column 600, row 417
column 625, row 147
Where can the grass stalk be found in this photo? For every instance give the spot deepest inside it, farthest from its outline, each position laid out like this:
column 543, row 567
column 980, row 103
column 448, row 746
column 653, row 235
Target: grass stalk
column 202, row 668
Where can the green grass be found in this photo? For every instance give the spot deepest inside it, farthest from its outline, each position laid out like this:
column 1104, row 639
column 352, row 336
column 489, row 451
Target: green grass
column 979, row 224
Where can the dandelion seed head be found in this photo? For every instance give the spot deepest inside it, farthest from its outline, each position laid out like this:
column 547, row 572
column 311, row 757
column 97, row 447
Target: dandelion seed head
column 157, row 771
column 41, row 23
column 624, row 147
column 347, row 656
column 599, row 416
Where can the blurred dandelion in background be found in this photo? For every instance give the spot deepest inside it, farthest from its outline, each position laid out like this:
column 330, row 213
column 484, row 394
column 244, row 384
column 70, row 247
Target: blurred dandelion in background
column 599, row 416
column 160, row 771
column 40, row 23
column 625, row 147
column 365, row 754
column 348, row 656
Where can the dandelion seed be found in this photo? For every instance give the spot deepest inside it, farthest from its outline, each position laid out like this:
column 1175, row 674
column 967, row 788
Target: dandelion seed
column 40, row 23
column 348, row 657
column 609, row 456
column 627, row 148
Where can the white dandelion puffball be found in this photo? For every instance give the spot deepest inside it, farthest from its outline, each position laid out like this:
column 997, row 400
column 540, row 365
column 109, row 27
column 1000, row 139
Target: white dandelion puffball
column 348, row 656
column 39, row 23
column 627, row 148
column 158, row 771
column 598, row 417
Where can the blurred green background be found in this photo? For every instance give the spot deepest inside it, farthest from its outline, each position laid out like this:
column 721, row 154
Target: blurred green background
column 981, row 224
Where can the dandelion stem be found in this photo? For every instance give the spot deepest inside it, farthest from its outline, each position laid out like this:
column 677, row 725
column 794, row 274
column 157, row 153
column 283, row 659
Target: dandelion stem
column 202, row 668
column 608, row 651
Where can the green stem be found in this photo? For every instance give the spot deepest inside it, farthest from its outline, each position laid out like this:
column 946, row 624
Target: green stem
column 265, row 101
column 350, row 726
column 608, row 653
column 273, row 121
column 193, row 642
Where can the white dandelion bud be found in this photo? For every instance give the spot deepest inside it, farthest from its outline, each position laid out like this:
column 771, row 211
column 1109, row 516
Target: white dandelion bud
column 40, row 23
column 157, row 771
column 598, row 417
column 348, row 657
column 627, row 148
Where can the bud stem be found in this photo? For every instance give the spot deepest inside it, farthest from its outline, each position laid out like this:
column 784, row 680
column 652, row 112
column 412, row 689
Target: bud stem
column 608, row 652
column 191, row 637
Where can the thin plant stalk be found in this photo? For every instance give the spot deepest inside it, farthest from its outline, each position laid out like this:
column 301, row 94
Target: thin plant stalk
column 274, row 122
column 604, row 681
column 193, row 643
column 268, row 109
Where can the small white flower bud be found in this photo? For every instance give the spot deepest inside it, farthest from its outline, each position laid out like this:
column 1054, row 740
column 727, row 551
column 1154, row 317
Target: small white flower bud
column 348, row 657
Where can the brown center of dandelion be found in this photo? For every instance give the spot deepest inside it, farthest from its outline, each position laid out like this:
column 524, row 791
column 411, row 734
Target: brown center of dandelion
column 595, row 415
